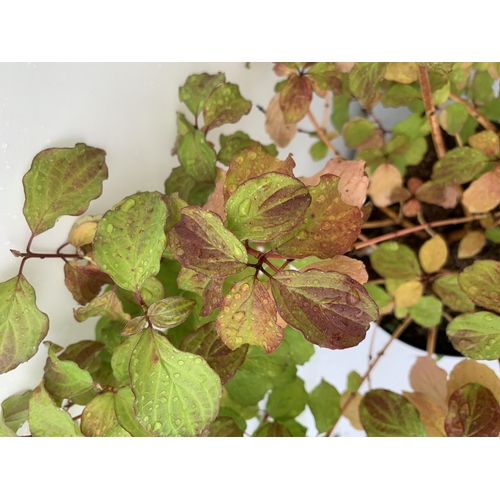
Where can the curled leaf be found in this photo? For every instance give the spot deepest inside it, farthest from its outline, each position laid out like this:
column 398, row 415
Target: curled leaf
column 276, row 127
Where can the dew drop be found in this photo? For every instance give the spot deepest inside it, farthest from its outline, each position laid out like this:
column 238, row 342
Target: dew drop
column 239, row 160
column 321, row 198
column 157, row 426
column 178, row 422
column 180, row 362
column 238, row 340
column 239, row 316
column 175, row 399
column 488, row 317
column 177, row 375
column 39, row 187
column 252, row 156
column 109, row 228
column 326, row 226
column 244, row 207
column 127, row 205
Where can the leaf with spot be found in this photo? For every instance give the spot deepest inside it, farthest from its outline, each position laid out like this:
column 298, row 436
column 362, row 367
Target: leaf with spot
column 130, row 239
column 134, row 326
column 197, row 156
column 201, row 242
column 176, row 393
column 272, row 429
column 324, row 401
column 329, row 227
column 481, row 283
column 364, row 81
column 387, row 414
column 437, row 194
column 461, row 165
column 225, row 105
column 248, row 316
column 252, row 162
column 197, row 88
column 22, row 325
column 46, row 419
column 62, row 181
column 395, row 260
column 264, row 207
column 447, row 289
column 295, row 97
column 341, row 264
column 327, row 76
column 107, row 304
column 98, row 417
column 287, row 401
column 476, row 335
column 331, row 309
column 15, row 411
column 232, row 144
column 473, row 412
column 65, row 379
column 170, row 312
column 84, row 281
column 206, row 343
column 209, row 288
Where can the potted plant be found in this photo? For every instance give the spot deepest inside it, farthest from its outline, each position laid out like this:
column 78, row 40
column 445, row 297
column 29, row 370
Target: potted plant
column 213, row 289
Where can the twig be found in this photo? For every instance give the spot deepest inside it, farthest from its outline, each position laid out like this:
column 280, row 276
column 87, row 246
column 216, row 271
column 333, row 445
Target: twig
column 396, row 334
column 431, row 340
column 447, row 317
column 322, row 136
column 403, row 232
column 430, row 111
column 379, row 281
column 378, row 223
column 475, row 114
column 363, row 237
column 428, row 230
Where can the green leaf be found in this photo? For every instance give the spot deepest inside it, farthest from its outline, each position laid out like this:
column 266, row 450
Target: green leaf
column 130, row 239
column 413, row 127
column 134, row 326
column 117, row 431
column 473, row 411
column 252, row 162
column 461, row 165
column 400, row 95
column 197, row 156
column 297, row 429
column 357, row 131
column 416, row 152
column 340, row 114
column 65, row 379
column 176, row 393
column 46, row 419
column 84, row 281
column 210, row 289
column 238, row 419
column 329, row 227
column 225, row 105
column 379, row 296
column 427, row 311
column 295, row 97
column 287, row 401
column 124, row 401
column 453, row 118
column 395, row 260
column 272, row 429
column 364, row 81
column 248, row 316
column 217, row 251
column 481, row 283
column 482, row 87
column 225, row 427
column 387, row 414
column 98, row 417
column 331, row 309
column 107, row 304
column 206, row 343
column 108, row 333
column 440, row 88
column 447, row 289
column 6, row 431
column 179, row 181
column 372, row 156
column 183, row 127
column 324, row 402
column 318, row 150
column 197, row 88
column 398, row 145
column 120, row 360
column 83, row 353
column 22, row 325
column 264, row 207
column 476, row 335
column 15, row 411
column 493, row 234
column 246, row 412
column 354, row 381
column 170, row 312
column 300, row 349
column 247, row 389
column 62, row 181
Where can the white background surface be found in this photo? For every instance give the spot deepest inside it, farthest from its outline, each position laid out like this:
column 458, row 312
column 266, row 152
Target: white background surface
column 129, row 111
